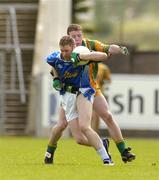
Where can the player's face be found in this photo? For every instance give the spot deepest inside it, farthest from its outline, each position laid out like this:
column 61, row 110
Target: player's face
column 77, row 36
column 66, row 51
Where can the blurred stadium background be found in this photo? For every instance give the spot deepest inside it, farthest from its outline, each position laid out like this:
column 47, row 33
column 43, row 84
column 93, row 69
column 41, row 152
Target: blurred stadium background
column 31, row 29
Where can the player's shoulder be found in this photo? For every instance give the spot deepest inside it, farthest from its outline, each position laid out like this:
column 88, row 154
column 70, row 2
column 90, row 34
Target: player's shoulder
column 53, row 57
column 55, row 54
column 90, row 41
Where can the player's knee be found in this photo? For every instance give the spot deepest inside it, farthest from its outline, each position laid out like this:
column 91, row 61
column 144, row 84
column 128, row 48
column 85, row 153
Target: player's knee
column 83, row 128
column 107, row 116
column 62, row 126
column 79, row 140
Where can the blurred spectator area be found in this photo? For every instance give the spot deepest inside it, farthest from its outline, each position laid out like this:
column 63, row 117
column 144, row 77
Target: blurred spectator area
column 17, row 34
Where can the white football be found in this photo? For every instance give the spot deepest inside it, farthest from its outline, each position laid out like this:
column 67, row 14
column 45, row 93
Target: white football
column 82, row 49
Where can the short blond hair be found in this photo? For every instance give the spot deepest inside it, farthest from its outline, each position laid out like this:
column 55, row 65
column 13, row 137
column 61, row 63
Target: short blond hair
column 67, row 40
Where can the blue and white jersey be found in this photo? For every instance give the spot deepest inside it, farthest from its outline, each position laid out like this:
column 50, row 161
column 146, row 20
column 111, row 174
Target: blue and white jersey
column 69, row 75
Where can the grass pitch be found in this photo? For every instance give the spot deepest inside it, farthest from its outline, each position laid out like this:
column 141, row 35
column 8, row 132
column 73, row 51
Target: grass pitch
column 22, row 158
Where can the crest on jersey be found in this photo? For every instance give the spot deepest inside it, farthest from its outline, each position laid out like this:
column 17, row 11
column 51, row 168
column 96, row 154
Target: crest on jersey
column 60, row 66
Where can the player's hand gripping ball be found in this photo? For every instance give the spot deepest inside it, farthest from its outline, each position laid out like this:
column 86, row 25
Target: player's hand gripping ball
column 75, row 55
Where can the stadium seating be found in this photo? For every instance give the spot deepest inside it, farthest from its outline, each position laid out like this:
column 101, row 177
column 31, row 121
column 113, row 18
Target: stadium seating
column 13, row 116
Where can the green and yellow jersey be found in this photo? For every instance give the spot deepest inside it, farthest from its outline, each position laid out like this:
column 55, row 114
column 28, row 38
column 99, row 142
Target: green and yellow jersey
column 93, row 67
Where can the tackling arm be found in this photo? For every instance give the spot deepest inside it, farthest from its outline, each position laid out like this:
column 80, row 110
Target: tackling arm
column 109, row 49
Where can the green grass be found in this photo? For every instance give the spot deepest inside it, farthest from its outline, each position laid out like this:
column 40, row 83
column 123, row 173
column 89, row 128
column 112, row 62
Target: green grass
column 22, row 159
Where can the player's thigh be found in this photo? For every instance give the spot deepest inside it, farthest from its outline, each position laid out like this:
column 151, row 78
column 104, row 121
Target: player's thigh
column 100, row 105
column 84, row 108
column 74, row 127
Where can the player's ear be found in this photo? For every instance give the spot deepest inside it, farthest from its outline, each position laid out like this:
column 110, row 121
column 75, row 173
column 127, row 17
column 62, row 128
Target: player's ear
column 74, row 46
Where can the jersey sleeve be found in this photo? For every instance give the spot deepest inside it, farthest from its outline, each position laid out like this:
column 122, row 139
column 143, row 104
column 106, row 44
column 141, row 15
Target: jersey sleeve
column 98, row 46
column 53, row 58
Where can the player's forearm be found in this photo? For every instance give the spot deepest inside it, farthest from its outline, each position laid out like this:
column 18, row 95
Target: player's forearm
column 54, row 73
column 93, row 56
column 115, row 49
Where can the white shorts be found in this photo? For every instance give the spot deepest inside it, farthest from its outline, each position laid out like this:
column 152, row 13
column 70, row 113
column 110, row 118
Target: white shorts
column 69, row 103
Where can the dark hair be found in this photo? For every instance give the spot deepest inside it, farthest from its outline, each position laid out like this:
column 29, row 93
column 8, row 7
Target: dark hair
column 66, row 40
column 73, row 27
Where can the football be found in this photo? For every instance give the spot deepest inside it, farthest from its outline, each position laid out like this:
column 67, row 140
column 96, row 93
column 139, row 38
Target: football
column 82, row 49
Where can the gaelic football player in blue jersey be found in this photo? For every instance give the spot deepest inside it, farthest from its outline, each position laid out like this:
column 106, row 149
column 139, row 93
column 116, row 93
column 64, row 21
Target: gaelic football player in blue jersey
column 77, row 94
